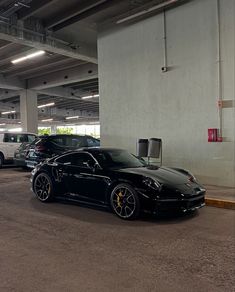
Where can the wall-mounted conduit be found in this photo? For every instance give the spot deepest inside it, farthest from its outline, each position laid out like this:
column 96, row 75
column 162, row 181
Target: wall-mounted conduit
column 164, row 68
column 220, row 93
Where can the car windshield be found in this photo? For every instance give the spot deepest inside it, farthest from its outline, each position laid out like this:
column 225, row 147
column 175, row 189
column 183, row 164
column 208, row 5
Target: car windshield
column 117, row 159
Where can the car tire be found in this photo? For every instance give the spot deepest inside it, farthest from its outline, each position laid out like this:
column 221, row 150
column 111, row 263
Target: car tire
column 125, row 202
column 1, row 160
column 43, row 187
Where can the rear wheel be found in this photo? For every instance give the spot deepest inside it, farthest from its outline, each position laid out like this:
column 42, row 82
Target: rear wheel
column 43, row 187
column 125, row 202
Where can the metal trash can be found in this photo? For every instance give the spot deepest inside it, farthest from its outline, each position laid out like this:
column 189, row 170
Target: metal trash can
column 154, row 147
column 142, row 148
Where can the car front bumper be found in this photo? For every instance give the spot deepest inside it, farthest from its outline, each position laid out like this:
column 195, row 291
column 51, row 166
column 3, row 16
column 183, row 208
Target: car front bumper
column 183, row 204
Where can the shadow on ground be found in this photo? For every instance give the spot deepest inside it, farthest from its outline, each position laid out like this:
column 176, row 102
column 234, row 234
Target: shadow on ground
column 91, row 214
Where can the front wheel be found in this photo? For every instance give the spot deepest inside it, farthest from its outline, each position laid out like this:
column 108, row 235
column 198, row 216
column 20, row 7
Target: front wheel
column 43, row 187
column 125, row 202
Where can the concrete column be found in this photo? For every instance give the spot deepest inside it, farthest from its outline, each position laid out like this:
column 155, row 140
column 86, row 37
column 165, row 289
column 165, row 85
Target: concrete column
column 53, row 129
column 29, row 111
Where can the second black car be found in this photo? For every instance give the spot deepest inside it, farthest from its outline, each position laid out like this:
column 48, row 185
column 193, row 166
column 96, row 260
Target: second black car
column 48, row 146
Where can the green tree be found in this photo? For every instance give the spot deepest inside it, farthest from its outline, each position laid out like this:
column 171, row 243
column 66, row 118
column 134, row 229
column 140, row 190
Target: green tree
column 64, row 131
column 46, row 131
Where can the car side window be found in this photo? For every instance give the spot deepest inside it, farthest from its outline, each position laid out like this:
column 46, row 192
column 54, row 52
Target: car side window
column 83, row 160
column 21, row 138
column 58, row 140
column 31, row 138
column 10, row 138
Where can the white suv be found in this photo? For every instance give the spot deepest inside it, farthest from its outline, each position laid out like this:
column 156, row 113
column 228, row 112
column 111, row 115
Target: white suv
column 10, row 141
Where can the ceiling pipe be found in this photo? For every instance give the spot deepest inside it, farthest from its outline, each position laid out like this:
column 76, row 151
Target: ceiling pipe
column 154, row 8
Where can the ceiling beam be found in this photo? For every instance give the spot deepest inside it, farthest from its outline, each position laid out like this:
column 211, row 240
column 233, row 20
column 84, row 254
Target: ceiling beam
column 42, row 42
column 35, row 7
column 84, row 14
column 76, row 74
column 11, row 83
column 5, row 106
column 68, row 93
column 60, row 91
column 5, row 93
column 71, row 12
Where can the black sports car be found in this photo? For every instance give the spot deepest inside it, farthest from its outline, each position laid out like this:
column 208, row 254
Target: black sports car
column 117, row 179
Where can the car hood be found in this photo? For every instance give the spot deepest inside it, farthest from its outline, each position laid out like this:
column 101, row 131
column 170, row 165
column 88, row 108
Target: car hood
column 163, row 175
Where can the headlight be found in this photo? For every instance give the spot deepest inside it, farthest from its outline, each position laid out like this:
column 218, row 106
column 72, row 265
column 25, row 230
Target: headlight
column 153, row 184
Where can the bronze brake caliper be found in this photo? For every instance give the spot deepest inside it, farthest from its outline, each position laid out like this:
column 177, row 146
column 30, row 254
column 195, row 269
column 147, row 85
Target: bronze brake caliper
column 119, row 199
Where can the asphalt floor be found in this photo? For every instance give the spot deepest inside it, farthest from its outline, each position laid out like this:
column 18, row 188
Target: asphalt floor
column 66, row 247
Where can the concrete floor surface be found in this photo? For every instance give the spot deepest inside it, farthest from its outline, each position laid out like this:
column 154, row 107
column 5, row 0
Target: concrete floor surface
column 66, row 247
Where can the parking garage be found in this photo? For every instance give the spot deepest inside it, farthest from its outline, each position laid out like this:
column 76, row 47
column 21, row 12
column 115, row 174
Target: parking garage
column 118, row 72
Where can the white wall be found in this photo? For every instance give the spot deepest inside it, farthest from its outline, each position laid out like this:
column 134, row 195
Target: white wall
column 137, row 100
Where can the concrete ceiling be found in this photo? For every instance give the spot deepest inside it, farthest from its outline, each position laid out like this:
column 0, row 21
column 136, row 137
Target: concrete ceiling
column 67, row 30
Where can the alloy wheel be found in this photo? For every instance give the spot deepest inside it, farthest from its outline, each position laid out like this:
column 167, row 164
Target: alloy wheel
column 42, row 187
column 124, row 202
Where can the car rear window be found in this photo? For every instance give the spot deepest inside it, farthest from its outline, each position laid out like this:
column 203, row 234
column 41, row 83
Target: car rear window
column 69, row 141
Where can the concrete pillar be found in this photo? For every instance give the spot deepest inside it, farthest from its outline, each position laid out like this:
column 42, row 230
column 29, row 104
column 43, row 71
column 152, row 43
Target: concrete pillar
column 29, row 111
column 53, row 129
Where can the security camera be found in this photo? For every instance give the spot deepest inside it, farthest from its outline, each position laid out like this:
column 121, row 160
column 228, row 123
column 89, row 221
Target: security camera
column 164, row 69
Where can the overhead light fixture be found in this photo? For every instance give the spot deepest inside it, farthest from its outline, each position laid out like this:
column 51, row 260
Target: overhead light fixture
column 90, row 96
column 3, row 124
column 145, row 11
column 29, row 56
column 7, row 113
column 70, row 118
column 46, row 105
column 47, row 120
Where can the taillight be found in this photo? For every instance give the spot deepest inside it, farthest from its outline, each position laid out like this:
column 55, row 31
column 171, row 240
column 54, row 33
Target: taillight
column 192, row 178
column 40, row 148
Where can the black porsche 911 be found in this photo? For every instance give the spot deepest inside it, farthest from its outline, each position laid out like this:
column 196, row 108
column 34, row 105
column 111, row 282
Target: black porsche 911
column 117, row 179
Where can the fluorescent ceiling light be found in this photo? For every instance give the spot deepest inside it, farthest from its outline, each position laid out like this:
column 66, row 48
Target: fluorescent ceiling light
column 3, row 124
column 90, row 96
column 47, row 104
column 9, row 112
column 47, row 120
column 29, row 56
column 70, row 118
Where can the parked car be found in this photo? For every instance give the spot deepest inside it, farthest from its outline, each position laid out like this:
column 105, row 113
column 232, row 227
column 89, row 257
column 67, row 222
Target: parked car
column 21, row 153
column 117, row 179
column 9, row 142
column 48, row 146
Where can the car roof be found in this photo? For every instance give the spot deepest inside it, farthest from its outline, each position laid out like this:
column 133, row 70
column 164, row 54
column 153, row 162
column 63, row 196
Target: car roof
column 64, row 135
column 19, row 133
column 97, row 149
